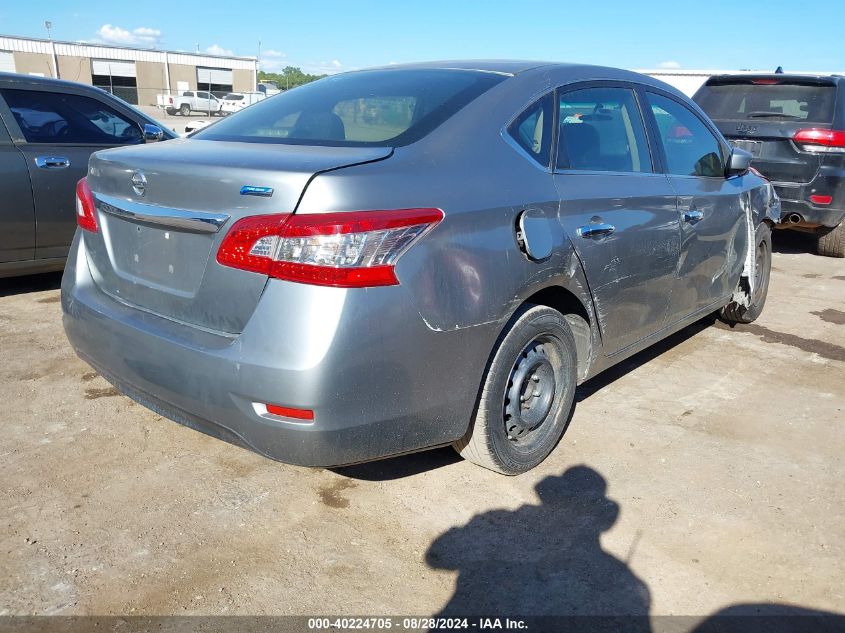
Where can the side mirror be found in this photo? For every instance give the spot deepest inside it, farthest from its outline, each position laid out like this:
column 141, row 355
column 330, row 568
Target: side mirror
column 738, row 163
column 152, row 133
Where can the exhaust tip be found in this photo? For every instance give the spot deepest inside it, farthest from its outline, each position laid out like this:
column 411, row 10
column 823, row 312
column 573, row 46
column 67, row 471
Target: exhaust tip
column 794, row 218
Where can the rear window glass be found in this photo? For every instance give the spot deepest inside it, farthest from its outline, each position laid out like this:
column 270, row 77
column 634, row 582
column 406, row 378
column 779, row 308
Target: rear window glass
column 378, row 107
column 779, row 102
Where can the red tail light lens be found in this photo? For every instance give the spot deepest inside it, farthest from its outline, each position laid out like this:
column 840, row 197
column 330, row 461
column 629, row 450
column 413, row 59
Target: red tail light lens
column 346, row 250
column 817, row 140
column 86, row 216
column 821, row 200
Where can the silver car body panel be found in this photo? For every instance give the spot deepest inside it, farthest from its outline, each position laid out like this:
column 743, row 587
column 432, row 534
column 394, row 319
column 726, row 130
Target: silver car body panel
column 392, row 369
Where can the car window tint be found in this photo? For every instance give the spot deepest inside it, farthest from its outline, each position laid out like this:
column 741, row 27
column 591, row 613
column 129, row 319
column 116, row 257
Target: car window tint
column 532, row 130
column 53, row 117
column 374, row 107
column 601, row 129
column 770, row 99
column 376, row 118
column 691, row 148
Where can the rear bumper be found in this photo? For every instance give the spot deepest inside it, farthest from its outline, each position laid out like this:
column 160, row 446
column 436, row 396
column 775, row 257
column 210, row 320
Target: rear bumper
column 795, row 198
column 379, row 381
column 809, row 214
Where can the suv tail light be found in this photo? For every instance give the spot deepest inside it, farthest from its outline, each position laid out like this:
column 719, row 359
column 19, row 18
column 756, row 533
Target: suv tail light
column 817, row 140
column 347, row 250
column 86, row 216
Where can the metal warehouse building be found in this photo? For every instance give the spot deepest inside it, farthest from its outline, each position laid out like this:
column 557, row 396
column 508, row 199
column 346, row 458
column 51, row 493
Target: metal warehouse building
column 136, row 75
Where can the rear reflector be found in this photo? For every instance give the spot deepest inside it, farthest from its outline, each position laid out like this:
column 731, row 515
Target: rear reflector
column 818, row 140
column 86, row 216
column 821, row 200
column 289, row 412
column 355, row 249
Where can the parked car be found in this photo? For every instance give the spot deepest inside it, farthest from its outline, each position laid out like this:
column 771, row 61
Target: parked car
column 794, row 126
column 197, row 124
column 327, row 290
column 48, row 129
column 189, row 101
column 237, row 101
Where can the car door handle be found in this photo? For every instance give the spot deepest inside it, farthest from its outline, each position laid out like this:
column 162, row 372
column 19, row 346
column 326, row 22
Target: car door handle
column 692, row 216
column 593, row 230
column 52, row 162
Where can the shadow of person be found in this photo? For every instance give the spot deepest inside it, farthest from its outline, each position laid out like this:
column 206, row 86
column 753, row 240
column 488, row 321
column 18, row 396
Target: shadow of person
column 543, row 560
column 771, row 617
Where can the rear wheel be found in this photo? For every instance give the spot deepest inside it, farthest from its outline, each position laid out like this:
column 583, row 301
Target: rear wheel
column 832, row 241
column 735, row 312
column 528, row 394
column 185, row 109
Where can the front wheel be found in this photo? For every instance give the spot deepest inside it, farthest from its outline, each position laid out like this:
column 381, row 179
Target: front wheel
column 736, row 312
column 528, row 394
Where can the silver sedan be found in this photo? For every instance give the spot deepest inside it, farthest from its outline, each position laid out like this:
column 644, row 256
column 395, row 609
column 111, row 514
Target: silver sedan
column 390, row 260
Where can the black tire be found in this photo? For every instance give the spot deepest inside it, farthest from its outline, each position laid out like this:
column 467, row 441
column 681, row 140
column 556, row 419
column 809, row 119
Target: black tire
column 736, row 312
column 170, row 111
column 832, row 241
column 536, row 351
column 185, row 109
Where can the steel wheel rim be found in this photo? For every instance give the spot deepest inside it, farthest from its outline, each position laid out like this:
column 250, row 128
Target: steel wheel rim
column 532, row 394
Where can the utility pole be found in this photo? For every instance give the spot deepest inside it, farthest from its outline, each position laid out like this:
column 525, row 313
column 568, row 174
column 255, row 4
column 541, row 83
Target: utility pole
column 49, row 26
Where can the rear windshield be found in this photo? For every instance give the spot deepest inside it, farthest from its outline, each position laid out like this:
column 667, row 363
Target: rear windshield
column 778, row 102
column 377, row 107
column 233, row 97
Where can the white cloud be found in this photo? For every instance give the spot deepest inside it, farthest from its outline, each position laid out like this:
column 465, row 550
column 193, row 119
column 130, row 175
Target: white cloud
column 142, row 36
column 216, row 49
column 273, row 61
column 669, row 65
column 323, row 67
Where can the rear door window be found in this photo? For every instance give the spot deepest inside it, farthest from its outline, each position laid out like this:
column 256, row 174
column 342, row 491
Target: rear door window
column 601, row 129
column 691, row 149
column 54, row 117
column 768, row 99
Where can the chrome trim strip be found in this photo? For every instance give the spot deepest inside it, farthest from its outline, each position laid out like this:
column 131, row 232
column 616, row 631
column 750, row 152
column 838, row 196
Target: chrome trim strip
column 193, row 221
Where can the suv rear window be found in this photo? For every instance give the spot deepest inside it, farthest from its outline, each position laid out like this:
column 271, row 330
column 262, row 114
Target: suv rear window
column 753, row 99
column 377, row 107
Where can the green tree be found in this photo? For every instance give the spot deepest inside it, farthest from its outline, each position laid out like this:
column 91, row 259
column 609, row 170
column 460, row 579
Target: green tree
column 289, row 77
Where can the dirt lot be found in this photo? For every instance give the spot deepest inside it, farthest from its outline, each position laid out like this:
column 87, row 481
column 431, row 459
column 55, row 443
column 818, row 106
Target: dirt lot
column 702, row 474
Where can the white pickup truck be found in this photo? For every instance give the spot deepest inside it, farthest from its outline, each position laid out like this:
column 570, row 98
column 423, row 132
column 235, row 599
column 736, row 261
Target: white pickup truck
column 189, row 101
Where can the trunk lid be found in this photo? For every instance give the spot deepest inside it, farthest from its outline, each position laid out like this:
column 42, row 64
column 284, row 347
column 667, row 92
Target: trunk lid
column 163, row 210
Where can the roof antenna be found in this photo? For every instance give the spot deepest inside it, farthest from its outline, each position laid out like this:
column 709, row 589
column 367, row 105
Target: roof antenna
column 779, row 70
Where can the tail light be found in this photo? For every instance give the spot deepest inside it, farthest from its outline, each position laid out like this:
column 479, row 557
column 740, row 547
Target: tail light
column 86, row 216
column 818, row 140
column 347, row 250
column 821, row 200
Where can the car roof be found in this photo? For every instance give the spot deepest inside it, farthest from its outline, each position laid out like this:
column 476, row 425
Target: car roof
column 500, row 66
column 43, row 81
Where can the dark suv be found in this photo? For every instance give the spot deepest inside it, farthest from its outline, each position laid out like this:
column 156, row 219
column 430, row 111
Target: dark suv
column 794, row 126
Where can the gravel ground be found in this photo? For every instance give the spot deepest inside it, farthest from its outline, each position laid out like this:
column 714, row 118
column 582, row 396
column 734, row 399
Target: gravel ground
column 703, row 473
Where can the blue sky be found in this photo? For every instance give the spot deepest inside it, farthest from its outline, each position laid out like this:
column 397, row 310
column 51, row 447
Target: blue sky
column 330, row 35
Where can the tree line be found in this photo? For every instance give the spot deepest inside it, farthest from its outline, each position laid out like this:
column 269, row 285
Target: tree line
column 289, row 77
